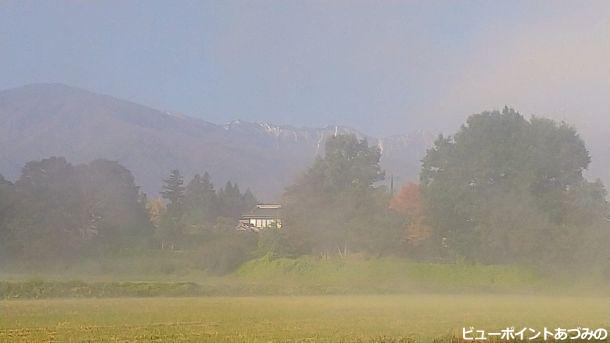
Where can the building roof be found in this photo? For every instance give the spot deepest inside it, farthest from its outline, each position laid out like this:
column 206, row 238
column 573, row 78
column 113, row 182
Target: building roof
column 264, row 211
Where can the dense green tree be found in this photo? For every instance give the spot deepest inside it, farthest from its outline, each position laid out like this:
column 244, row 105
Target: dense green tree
column 248, row 201
column 505, row 188
column 171, row 226
column 7, row 198
column 173, row 191
column 336, row 207
column 230, row 198
column 231, row 201
column 114, row 204
column 201, row 203
column 58, row 210
column 50, row 219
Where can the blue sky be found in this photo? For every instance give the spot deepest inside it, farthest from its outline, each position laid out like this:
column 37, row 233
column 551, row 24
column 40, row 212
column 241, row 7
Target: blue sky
column 384, row 67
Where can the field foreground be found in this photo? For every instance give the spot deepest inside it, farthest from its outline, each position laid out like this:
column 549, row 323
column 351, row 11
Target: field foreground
column 291, row 318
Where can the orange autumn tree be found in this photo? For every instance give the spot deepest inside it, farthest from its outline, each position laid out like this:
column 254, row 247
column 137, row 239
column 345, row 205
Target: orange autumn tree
column 408, row 203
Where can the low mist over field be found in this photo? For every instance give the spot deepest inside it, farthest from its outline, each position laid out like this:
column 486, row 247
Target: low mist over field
column 272, row 171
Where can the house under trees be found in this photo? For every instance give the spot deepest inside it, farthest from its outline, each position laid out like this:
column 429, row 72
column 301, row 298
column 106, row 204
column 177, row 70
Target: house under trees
column 261, row 217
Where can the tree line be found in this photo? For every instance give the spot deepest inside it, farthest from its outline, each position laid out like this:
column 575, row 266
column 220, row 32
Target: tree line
column 503, row 189
column 56, row 211
column 195, row 208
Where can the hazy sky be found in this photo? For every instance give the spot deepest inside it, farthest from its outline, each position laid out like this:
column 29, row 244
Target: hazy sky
column 384, row 67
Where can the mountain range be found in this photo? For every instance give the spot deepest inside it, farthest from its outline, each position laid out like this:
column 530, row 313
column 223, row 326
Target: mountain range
column 42, row 120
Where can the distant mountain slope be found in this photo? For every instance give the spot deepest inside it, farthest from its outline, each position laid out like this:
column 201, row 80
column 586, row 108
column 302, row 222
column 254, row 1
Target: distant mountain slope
column 43, row 120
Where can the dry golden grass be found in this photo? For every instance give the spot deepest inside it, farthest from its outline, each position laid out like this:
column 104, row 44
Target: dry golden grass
column 388, row 318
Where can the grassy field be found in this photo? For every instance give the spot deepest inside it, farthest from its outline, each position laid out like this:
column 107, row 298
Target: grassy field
column 294, row 318
column 297, row 300
column 136, row 276
column 309, row 275
column 293, row 277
